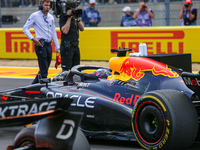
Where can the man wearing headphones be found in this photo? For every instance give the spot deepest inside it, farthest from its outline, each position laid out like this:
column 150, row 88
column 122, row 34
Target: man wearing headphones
column 70, row 25
column 44, row 26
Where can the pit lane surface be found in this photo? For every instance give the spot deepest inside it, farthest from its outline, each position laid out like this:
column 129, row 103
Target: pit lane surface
column 7, row 134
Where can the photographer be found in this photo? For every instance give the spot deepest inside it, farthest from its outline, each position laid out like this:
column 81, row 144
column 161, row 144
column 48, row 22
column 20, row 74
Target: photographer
column 143, row 14
column 188, row 14
column 70, row 24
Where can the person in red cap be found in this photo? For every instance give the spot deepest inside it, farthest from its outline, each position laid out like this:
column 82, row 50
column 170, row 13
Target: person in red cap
column 188, row 14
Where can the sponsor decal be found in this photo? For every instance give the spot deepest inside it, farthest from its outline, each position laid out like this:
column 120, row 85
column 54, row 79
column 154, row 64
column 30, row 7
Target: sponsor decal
column 82, row 84
column 62, row 133
column 78, row 101
column 25, row 109
column 111, row 83
column 166, row 136
column 129, row 101
column 135, row 67
column 82, row 102
column 90, row 116
column 156, row 41
column 18, row 42
column 189, row 81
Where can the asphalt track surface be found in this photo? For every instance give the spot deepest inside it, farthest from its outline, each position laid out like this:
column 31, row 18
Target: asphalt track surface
column 7, row 134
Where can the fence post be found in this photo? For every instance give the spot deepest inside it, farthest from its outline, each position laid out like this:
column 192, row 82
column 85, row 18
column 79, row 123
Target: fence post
column 0, row 14
column 167, row 13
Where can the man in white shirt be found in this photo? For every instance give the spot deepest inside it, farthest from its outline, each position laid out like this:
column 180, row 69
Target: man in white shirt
column 44, row 26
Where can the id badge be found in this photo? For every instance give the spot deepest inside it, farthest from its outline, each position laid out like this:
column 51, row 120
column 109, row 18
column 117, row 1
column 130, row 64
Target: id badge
column 143, row 21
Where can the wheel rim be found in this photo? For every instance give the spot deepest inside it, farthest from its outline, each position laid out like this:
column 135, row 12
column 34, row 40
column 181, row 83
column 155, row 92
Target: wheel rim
column 27, row 143
column 150, row 123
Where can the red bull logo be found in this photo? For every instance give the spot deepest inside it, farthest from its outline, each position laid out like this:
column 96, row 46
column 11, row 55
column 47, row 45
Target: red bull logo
column 135, row 68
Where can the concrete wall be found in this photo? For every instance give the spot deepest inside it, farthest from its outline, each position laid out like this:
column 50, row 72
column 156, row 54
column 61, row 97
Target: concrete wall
column 111, row 14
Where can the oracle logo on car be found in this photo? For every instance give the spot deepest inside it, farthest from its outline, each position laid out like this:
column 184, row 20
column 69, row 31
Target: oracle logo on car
column 158, row 42
column 129, row 101
column 78, row 100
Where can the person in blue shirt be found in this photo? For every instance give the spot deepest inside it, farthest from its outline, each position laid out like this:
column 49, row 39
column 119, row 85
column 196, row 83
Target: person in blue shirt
column 91, row 16
column 127, row 20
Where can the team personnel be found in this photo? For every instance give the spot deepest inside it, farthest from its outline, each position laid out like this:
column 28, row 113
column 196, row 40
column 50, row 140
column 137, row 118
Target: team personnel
column 69, row 48
column 44, row 26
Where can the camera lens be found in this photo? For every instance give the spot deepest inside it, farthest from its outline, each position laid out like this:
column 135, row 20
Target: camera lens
column 187, row 5
column 143, row 6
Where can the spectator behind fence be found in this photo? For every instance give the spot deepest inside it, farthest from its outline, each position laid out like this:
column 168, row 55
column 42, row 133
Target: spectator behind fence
column 91, row 16
column 188, row 14
column 144, row 14
column 127, row 20
column 31, row 3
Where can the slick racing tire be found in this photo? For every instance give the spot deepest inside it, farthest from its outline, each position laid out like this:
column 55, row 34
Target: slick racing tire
column 26, row 138
column 165, row 120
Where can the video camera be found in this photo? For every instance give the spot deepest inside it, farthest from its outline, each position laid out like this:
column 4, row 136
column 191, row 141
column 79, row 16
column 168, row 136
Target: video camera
column 62, row 6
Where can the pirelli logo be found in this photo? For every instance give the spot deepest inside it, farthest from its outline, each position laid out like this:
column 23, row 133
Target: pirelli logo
column 17, row 42
column 157, row 41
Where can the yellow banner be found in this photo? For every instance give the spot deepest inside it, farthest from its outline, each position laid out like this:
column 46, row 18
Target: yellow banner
column 96, row 43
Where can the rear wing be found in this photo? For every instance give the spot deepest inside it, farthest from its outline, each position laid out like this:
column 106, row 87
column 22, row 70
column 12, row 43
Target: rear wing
column 19, row 113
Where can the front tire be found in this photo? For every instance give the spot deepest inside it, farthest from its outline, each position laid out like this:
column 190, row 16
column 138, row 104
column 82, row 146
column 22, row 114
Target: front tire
column 165, row 120
column 26, row 138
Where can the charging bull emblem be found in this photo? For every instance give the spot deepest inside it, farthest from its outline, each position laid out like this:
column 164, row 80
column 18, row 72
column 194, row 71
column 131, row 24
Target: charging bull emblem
column 135, row 67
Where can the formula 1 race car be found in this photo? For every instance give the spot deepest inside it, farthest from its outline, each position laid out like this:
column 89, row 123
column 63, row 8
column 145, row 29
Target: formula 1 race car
column 135, row 99
column 56, row 129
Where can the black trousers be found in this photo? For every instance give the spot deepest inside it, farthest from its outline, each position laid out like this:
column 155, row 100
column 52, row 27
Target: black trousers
column 44, row 55
column 70, row 54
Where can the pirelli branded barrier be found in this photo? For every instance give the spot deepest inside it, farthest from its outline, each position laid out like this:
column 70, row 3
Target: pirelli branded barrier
column 95, row 43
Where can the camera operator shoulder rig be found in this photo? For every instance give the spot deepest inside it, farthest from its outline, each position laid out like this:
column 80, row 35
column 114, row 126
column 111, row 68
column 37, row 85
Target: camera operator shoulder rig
column 62, row 6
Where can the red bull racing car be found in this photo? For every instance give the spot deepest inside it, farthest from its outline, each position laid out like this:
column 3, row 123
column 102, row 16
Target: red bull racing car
column 135, row 99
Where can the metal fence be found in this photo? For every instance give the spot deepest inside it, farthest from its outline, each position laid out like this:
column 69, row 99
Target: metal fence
column 25, row 3
column 166, row 13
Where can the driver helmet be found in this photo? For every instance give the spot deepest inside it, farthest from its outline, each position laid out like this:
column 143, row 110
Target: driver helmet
column 102, row 73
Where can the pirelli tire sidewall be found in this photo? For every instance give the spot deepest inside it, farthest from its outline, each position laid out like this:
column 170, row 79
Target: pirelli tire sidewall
column 164, row 119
